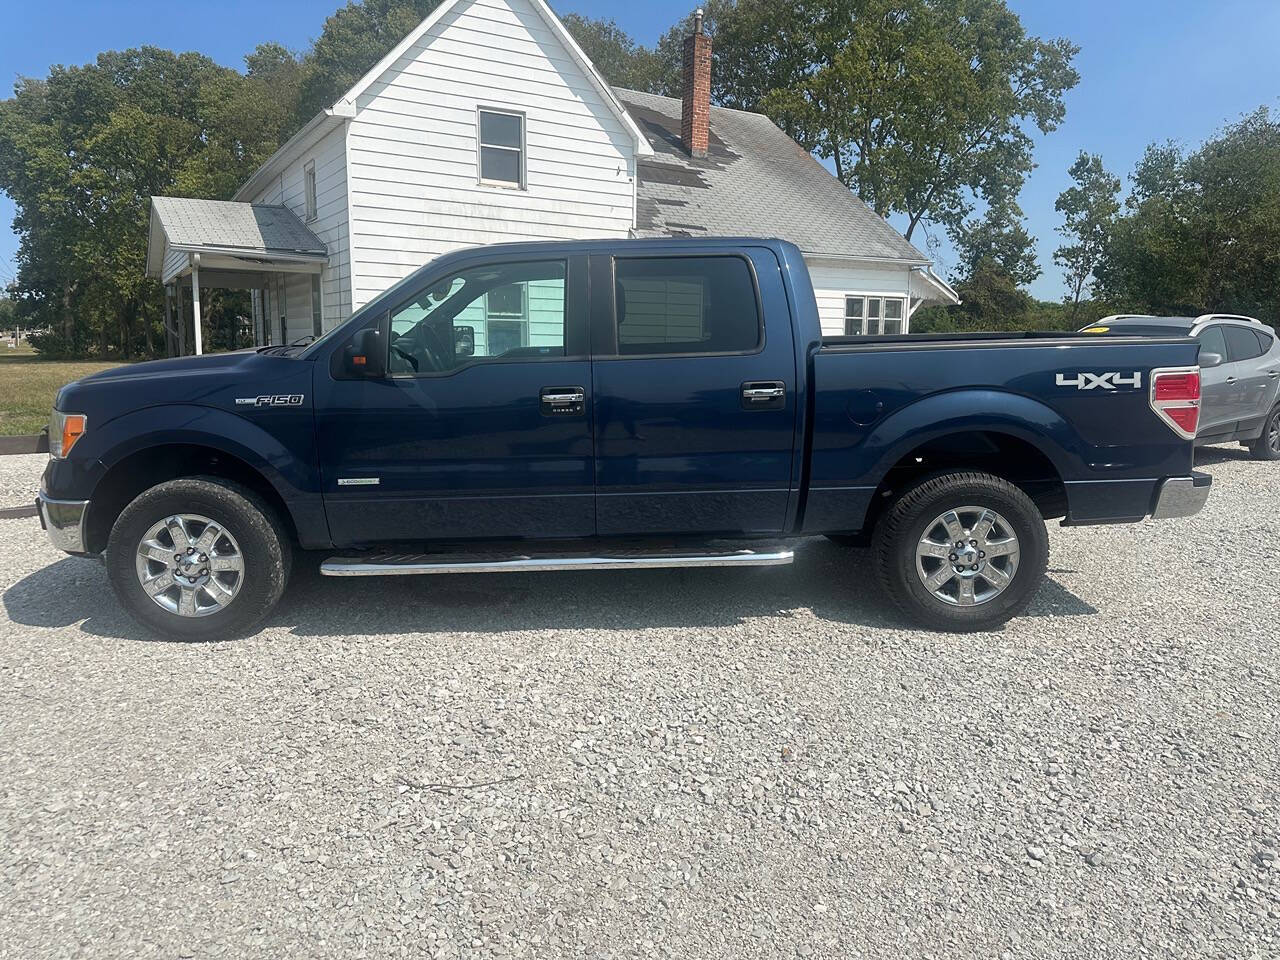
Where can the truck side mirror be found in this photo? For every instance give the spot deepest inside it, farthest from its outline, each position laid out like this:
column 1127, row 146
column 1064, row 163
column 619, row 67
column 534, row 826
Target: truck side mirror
column 365, row 356
column 1210, row 360
column 464, row 341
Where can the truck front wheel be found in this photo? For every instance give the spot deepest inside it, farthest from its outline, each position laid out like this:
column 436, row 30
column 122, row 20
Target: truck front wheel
column 198, row 559
column 962, row 551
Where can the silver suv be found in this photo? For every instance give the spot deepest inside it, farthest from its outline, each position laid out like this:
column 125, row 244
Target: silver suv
column 1239, row 374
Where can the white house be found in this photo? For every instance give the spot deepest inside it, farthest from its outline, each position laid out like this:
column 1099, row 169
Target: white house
column 488, row 123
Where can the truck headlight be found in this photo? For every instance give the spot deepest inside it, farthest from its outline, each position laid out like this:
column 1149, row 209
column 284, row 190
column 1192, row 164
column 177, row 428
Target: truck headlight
column 64, row 430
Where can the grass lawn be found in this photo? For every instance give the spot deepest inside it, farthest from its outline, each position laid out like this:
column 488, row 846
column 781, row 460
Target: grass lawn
column 28, row 386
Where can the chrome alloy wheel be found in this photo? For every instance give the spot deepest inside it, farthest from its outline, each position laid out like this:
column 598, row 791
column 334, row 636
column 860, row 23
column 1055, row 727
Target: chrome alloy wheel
column 967, row 556
column 190, row 565
column 1273, row 432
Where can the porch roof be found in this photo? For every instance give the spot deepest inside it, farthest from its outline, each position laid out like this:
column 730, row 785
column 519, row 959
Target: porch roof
column 251, row 237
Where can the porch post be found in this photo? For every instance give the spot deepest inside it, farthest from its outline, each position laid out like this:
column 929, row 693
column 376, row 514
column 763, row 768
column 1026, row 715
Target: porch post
column 195, row 299
column 168, row 320
column 182, row 320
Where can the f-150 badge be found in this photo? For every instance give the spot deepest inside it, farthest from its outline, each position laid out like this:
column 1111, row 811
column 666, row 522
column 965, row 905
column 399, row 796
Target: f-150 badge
column 278, row 400
column 1101, row 381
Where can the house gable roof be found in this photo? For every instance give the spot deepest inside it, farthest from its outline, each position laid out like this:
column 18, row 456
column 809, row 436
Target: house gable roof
column 345, row 106
column 553, row 24
column 754, row 181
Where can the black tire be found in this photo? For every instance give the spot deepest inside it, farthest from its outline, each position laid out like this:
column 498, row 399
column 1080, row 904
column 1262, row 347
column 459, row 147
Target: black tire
column 910, row 518
column 264, row 549
column 1267, row 446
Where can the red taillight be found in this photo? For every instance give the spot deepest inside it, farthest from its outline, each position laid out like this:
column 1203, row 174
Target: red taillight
column 1188, row 418
column 1175, row 398
column 1178, row 386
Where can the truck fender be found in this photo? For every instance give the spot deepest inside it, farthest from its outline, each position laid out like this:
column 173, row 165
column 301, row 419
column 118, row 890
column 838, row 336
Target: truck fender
column 288, row 471
column 971, row 411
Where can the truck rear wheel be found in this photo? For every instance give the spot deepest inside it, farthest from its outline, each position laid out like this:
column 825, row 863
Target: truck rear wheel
column 962, row 551
column 198, row 559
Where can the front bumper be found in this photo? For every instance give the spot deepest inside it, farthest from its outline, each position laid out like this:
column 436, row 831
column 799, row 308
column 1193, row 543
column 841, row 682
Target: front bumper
column 1181, row 496
column 64, row 520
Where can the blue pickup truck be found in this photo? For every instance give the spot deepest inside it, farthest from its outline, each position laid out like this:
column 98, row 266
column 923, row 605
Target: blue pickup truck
column 645, row 403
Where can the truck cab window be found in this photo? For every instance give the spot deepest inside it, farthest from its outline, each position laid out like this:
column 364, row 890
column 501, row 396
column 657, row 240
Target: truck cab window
column 690, row 305
column 493, row 312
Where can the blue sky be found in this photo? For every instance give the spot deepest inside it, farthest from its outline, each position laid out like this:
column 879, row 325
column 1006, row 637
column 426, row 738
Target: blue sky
column 1151, row 70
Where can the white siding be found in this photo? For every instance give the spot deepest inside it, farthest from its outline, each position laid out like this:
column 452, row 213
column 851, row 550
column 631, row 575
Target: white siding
column 833, row 280
column 175, row 261
column 412, row 147
column 330, row 225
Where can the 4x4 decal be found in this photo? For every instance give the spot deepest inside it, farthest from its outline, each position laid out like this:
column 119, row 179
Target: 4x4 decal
column 1102, row 381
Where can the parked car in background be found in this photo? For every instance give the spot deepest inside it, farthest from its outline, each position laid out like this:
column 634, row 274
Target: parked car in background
column 1240, row 374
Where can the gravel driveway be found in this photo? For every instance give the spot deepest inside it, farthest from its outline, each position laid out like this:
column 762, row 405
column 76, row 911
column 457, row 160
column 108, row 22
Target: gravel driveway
column 693, row 764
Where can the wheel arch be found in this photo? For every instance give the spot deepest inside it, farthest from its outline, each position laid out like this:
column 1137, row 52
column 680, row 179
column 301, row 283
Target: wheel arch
column 131, row 473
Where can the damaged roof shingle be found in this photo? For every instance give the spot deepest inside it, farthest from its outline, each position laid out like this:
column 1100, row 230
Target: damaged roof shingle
column 754, row 181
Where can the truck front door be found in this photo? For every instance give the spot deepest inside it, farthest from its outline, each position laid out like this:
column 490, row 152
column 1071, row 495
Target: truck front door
column 480, row 426
column 695, row 403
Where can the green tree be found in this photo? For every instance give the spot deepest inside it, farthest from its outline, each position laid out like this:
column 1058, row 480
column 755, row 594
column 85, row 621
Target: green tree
column 83, row 150
column 989, row 300
column 921, row 105
column 620, row 60
column 998, row 238
column 1089, row 209
column 1201, row 231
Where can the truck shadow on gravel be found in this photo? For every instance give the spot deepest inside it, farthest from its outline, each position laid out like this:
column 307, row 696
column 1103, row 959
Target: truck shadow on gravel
column 1208, row 456
column 836, row 583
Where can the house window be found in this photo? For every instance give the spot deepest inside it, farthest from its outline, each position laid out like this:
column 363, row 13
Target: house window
column 872, row 316
column 309, row 182
column 317, row 314
column 892, row 316
column 507, row 318
column 502, row 148
column 854, row 311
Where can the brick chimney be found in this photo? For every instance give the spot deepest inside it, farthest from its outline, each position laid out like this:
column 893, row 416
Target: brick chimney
column 695, row 101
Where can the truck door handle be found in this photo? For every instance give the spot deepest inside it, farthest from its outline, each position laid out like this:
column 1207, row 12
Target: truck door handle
column 764, row 395
column 563, row 401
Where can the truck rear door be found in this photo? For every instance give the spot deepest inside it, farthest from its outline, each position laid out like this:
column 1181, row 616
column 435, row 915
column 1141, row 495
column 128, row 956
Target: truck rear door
column 695, row 393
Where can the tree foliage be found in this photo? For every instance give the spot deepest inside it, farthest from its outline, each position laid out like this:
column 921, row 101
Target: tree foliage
column 997, row 239
column 622, row 61
column 1089, row 207
column 81, row 153
column 922, row 106
column 1201, row 230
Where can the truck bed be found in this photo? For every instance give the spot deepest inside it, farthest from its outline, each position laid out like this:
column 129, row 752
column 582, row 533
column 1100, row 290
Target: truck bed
column 1076, row 405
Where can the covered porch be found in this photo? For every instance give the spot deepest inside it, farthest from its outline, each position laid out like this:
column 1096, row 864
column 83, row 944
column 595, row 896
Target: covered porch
column 195, row 246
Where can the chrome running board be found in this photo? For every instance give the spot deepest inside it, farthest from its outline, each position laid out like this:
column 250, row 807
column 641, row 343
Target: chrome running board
column 391, row 565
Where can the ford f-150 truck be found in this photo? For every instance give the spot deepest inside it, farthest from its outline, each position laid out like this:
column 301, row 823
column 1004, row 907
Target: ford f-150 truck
column 613, row 405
